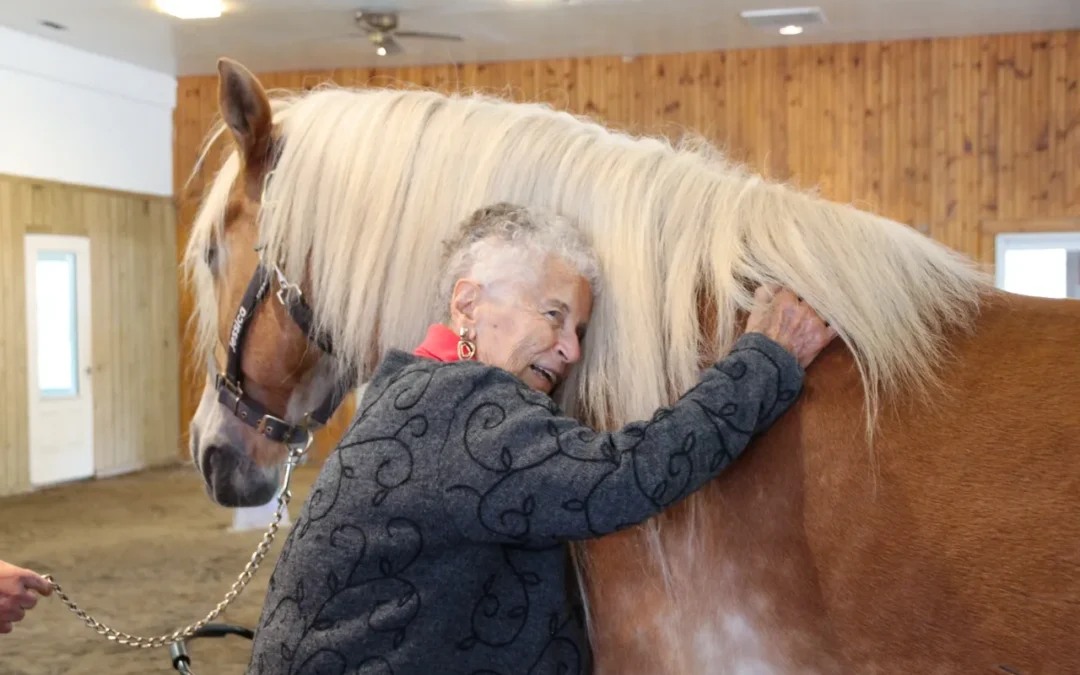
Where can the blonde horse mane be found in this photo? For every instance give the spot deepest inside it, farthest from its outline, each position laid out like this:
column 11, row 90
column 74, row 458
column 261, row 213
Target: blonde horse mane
column 370, row 181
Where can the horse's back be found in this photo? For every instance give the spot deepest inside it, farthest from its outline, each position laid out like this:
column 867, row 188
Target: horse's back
column 953, row 546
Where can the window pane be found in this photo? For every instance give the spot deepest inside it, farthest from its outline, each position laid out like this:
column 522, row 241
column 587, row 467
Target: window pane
column 1039, row 272
column 57, row 327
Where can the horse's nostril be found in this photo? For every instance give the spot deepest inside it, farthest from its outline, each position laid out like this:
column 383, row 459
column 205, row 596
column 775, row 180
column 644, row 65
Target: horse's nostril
column 233, row 480
column 217, row 462
column 218, row 469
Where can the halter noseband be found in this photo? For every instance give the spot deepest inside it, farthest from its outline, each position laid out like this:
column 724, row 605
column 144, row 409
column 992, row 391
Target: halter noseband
column 230, row 383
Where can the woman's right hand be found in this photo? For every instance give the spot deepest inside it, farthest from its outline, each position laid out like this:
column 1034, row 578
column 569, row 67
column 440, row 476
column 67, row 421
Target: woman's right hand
column 780, row 315
column 17, row 587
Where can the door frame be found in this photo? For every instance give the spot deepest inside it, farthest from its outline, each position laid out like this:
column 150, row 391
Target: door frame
column 80, row 244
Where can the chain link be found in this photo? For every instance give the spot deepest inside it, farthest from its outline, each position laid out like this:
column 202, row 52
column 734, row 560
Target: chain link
column 138, row 642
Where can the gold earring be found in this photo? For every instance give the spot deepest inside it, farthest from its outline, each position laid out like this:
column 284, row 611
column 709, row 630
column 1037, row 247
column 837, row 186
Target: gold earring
column 466, row 349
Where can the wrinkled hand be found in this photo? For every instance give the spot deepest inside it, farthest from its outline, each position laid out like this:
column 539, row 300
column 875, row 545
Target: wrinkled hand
column 779, row 314
column 17, row 587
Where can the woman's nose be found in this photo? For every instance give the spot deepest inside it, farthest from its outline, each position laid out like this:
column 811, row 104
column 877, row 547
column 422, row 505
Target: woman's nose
column 569, row 349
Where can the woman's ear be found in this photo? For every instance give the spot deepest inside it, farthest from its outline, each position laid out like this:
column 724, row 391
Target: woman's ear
column 463, row 302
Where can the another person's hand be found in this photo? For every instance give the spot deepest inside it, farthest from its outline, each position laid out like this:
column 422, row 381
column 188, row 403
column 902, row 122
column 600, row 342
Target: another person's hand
column 780, row 315
column 17, row 586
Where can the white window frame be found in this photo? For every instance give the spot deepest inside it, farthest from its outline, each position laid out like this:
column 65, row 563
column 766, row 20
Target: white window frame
column 1016, row 241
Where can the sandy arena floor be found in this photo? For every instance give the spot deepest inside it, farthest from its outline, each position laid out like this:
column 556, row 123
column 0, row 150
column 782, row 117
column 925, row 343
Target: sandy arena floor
column 145, row 554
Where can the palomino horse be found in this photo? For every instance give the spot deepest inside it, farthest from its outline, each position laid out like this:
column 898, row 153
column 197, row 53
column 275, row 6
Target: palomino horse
column 917, row 511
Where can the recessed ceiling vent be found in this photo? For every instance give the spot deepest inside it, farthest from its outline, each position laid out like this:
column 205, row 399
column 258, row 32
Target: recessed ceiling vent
column 773, row 19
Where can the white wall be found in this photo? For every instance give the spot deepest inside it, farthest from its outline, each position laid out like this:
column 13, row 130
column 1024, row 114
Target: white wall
column 75, row 117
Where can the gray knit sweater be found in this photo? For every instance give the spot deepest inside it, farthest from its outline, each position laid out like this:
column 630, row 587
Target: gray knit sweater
column 433, row 539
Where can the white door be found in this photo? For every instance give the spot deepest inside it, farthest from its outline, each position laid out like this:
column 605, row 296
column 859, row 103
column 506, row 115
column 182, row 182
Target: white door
column 59, row 358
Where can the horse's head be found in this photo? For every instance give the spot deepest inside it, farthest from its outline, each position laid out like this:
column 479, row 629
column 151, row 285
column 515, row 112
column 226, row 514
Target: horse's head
column 269, row 379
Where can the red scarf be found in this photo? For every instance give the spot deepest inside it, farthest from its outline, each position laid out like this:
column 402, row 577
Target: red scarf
column 440, row 344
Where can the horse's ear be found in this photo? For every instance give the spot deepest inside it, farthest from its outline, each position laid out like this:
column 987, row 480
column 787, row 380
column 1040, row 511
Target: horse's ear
column 246, row 110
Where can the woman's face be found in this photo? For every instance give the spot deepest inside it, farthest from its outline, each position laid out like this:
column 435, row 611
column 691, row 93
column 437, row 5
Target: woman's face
column 533, row 327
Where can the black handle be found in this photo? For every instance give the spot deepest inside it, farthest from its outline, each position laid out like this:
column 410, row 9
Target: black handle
column 180, row 659
column 218, row 630
column 178, row 652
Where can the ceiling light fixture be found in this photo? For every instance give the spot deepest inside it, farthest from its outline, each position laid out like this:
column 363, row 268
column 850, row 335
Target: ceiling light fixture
column 788, row 20
column 192, row 9
column 381, row 51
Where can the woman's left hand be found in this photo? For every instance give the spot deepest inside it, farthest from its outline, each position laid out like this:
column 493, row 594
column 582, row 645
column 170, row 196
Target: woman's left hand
column 17, row 586
column 784, row 318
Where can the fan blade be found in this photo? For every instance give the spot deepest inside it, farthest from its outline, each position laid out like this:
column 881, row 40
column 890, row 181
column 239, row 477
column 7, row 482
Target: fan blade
column 391, row 45
column 427, row 36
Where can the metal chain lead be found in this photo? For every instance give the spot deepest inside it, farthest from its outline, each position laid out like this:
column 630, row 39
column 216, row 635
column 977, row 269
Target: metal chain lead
column 295, row 454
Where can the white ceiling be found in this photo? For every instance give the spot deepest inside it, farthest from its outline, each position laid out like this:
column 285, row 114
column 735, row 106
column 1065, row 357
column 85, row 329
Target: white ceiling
column 270, row 35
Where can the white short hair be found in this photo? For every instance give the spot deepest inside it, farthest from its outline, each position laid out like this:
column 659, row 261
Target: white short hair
column 507, row 242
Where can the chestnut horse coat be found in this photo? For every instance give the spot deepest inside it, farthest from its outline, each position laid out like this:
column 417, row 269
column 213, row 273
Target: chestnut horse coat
column 951, row 546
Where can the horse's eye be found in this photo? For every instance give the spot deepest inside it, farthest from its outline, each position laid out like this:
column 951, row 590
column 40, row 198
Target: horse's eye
column 212, row 257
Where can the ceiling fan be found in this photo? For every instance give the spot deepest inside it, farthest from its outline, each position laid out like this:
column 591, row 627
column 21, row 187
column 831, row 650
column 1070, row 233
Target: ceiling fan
column 381, row 29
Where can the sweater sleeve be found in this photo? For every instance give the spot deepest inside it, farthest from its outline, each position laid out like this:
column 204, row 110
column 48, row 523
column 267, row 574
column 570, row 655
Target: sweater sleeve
column 514, row 470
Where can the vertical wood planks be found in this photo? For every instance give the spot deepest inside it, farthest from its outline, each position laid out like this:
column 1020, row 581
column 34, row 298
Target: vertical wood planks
column 133, row 302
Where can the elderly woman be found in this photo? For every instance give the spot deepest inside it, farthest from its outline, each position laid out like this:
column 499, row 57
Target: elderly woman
column 433, row 540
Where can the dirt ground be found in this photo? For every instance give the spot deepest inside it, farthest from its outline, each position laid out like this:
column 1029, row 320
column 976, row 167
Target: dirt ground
column 145, row 554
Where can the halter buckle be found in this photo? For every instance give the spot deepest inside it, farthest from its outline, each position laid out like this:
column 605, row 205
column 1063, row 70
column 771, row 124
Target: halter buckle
column 269, row 419
column 233, row 389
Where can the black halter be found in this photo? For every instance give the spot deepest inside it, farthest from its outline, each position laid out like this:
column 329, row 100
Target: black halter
column 230, row 383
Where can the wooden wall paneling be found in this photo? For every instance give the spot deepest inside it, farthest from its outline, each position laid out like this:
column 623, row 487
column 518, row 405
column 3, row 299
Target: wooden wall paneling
column 14, row 462
column 942, row 160
column 153, row 244
column 614, row 103
column 872, row 151
column 1069, row 132
column 1011, row 117
column 589, row 75
column 169, row 314
column 1042, row 158
column 123, row 357
column 922, row 134
column 116, row 370
column 1065, row 101
column 795, row 68
column 835, row 74
column 134, row 300
column 710, row 91
column 989, row 136
column 941, row 134
column 101, row 282
column 741, row 129
column 552, row 78
column 189, row 129
column 897, row 124
column 10, row 471
column 1028, row 130
column 1056, row 84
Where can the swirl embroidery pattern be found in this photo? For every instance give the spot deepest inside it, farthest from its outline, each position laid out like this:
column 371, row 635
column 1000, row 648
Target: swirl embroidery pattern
column 433, row 539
